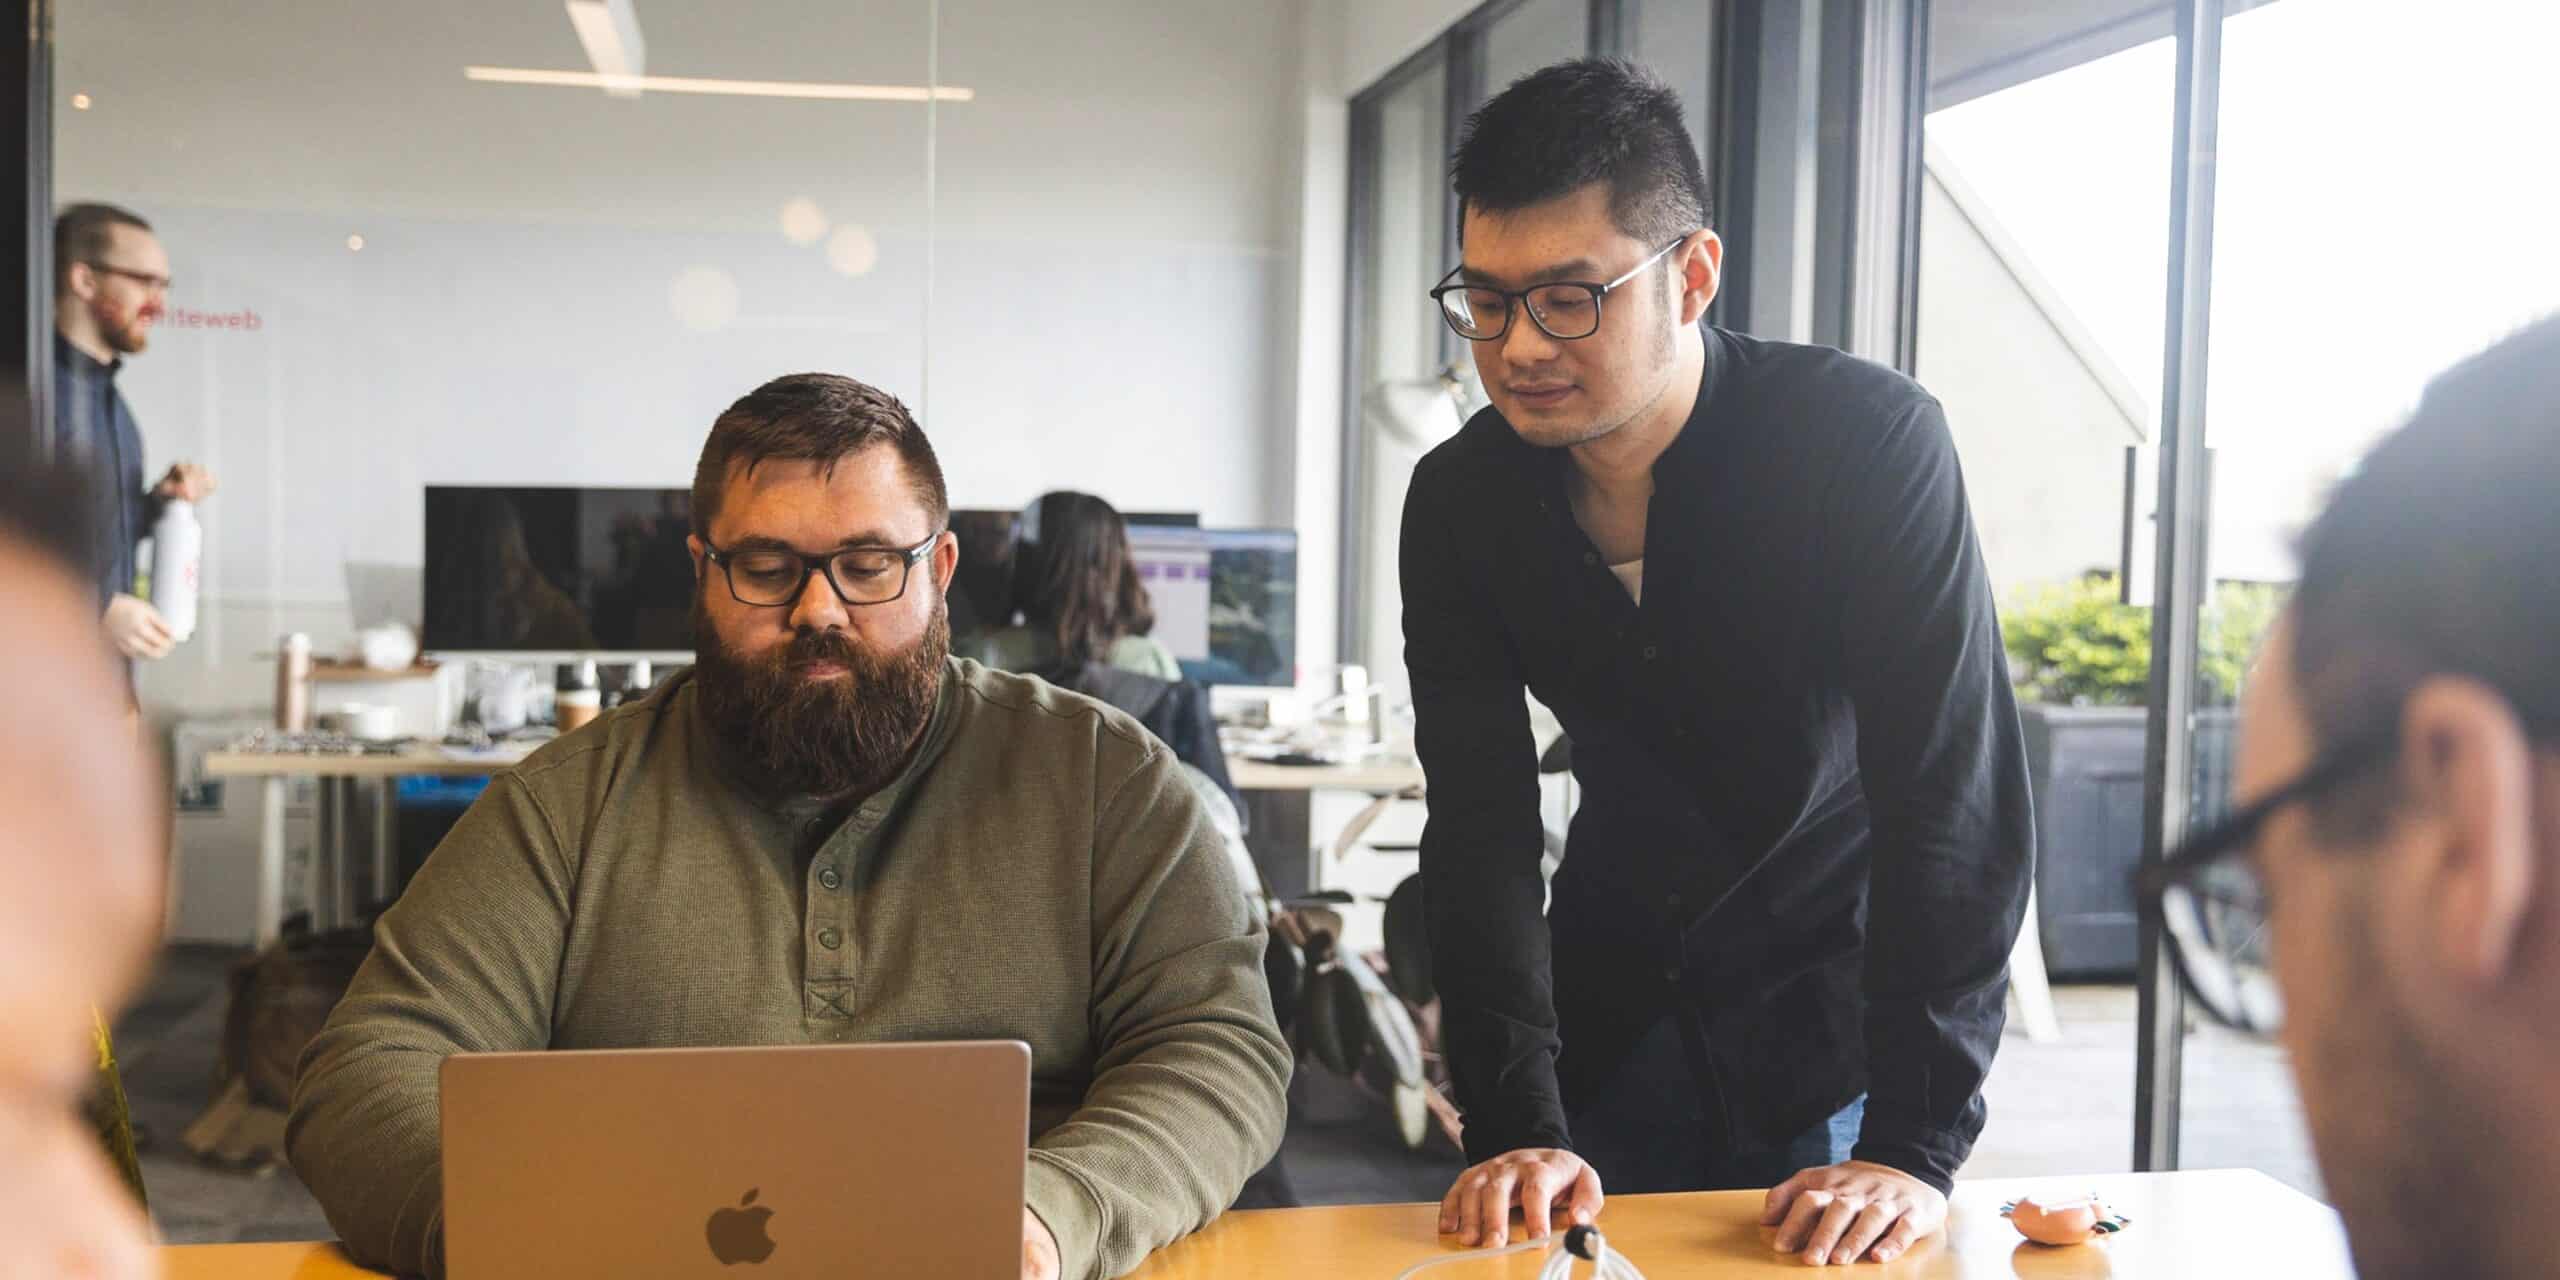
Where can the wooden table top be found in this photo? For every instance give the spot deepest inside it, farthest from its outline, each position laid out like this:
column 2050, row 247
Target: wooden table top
column 2185, row 1226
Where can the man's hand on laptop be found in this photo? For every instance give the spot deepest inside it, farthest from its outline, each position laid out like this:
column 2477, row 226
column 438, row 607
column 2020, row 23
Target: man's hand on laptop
column 1039, row 1249
column 1541, row 1181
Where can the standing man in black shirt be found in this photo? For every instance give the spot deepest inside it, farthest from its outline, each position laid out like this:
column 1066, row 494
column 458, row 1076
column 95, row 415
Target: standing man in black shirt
column 110, row 285
column 1744, row 577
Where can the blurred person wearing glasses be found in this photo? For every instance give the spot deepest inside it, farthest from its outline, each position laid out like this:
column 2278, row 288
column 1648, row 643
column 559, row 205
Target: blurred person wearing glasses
column 81, row 840
column 1744, row 576
column 110, row 285
column 831, row 831
column 2386, row 897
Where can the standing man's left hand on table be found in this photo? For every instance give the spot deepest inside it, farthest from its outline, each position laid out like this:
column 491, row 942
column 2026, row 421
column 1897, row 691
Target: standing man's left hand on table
column 1039, row 1249
column 185, row 482
column 1853, row 1211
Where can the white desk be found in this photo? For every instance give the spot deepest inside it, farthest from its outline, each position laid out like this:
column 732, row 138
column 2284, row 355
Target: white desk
column 1375, row 777
column 1283, row 813
column 332, row 896
column 1279, row 798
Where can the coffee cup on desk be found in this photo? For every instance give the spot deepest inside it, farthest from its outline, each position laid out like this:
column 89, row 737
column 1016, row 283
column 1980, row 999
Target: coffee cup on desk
column 576, row 707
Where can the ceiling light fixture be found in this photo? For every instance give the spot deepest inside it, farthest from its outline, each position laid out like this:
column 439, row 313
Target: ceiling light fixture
column 723, row 88
column 79, row 102
column 611, row 33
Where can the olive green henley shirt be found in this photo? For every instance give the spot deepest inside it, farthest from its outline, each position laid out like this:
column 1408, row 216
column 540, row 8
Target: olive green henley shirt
column 1042, row 871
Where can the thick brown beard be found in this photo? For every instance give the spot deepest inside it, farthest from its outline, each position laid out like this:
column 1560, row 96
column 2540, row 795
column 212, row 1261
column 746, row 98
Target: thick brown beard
column 829, row 738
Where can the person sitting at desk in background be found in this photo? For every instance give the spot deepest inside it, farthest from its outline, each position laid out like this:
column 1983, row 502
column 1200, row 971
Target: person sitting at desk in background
column 1075, row 582
column 2397, row 834
column 80, row 878
column 831, row 831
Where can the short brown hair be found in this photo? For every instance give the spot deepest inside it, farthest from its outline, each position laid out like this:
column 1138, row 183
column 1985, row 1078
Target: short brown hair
column 814, row 417
column 83, row 233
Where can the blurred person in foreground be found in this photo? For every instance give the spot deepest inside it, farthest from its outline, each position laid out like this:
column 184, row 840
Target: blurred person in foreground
column 2386, row 896
column 80, row 833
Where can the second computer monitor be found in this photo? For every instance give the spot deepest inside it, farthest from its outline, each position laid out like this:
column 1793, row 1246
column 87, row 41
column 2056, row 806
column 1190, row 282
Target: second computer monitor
column 1226, row 601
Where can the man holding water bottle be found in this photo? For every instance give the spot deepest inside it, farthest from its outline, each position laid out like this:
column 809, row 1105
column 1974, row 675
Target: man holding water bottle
column 110, row 285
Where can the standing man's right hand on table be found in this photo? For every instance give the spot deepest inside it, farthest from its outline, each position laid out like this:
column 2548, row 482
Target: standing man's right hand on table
column 1541, row 1181
column 137, row 629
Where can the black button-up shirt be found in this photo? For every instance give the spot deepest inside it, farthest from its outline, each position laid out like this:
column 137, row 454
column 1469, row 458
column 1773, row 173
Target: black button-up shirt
column 94, row 430
column 1805, row 826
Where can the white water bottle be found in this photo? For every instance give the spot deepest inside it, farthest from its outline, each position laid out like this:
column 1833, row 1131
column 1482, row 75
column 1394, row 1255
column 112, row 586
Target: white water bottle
column 177, row 558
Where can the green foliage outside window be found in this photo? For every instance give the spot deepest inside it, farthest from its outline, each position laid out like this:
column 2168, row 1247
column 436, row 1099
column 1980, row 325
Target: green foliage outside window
column 2076, row 643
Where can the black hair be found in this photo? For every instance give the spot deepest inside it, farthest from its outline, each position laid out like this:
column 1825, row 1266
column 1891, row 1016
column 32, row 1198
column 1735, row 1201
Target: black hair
column 1565, row 127
column 814, row 417
column 2436, row 557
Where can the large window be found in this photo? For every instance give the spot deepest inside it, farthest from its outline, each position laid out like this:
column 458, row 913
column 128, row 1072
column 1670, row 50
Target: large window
column 1410, row 383
column 2346, row 237
column 2367, row 234
column 1530, row 36
column 1404, row 249
column 2043, row 251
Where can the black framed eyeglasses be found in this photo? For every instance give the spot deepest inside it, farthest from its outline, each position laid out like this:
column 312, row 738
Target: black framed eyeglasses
column 2213, row 902
column 1562, row 309
column 770, row 577
column 155, row 284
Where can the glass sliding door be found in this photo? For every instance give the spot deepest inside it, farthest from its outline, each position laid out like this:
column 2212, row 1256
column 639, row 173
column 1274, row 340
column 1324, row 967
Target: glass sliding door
column 2043, row 249
column 2327, row 323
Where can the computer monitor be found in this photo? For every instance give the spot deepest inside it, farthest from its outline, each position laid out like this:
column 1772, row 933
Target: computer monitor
column 544, row 572
column 1226, row 601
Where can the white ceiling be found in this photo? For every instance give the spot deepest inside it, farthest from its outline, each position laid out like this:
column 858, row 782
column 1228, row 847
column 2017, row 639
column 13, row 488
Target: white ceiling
column 328, row 106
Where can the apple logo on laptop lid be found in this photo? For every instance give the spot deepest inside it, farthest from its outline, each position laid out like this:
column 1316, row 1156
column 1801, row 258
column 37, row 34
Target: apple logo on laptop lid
column 738, row 1235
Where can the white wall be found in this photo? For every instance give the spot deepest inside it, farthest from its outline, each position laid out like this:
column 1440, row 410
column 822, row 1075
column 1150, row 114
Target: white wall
column 2039, row 416
column 1107, row 255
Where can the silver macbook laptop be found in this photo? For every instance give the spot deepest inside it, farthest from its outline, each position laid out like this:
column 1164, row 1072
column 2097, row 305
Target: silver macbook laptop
column 819, row 1160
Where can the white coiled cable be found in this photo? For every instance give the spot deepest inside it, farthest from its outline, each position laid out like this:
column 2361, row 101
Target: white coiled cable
column 1585, row 1243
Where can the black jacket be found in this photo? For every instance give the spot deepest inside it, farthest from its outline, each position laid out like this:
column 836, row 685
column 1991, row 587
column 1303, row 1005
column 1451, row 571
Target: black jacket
column 94, row 430
column 1805, row 824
